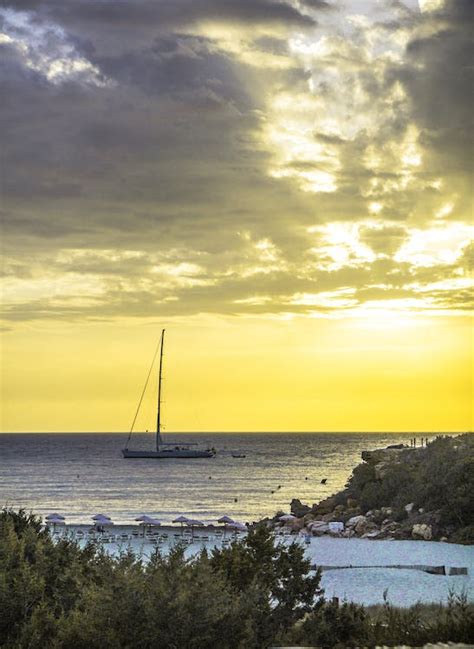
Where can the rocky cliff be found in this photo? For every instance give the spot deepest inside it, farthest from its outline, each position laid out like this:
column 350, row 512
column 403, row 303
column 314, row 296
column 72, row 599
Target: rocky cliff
column 401, row 493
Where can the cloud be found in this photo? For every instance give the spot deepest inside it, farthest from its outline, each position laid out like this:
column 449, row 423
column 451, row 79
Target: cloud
column 232, row 157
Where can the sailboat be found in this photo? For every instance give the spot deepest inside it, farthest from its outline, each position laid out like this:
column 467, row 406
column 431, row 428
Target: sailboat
column 164, row 450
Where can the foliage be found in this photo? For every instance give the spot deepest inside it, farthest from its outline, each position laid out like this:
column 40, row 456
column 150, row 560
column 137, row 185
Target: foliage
column 277, row 578
column 331, row 624
column 252, row 595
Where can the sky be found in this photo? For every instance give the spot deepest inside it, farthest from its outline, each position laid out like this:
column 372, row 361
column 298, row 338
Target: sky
column 284, row 185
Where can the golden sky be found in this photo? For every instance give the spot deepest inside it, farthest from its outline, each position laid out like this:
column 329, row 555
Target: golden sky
column 285, row 185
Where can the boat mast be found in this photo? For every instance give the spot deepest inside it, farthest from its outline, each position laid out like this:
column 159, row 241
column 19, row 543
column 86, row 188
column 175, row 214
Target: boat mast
column 158, row 418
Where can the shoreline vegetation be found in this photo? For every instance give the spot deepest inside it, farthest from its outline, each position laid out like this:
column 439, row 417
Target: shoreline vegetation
column 254, row 594
column 401, row 492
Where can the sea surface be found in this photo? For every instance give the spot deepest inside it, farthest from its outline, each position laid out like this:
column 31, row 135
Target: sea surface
column 79, row 475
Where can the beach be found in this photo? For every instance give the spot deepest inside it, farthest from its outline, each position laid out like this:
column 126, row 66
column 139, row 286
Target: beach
column 361, row 583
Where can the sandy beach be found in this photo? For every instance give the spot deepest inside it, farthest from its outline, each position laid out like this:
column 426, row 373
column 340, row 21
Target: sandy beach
column 360, row 583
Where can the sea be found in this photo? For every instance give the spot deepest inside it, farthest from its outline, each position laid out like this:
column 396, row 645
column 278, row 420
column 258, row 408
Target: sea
column 81, row 474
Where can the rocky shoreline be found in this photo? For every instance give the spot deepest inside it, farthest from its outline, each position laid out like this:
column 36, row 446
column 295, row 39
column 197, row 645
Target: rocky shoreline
column 346, row 515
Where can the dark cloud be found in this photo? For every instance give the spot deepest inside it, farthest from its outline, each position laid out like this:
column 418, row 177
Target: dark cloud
column 439, row 77
column 163, row 13
column 317, row 4
column 126, row 131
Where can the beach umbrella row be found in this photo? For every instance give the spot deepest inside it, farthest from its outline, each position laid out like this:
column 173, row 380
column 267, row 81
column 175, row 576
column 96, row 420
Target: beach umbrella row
column 102, row 520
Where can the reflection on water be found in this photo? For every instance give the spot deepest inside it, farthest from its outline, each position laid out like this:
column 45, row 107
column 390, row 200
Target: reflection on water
column 82, row 474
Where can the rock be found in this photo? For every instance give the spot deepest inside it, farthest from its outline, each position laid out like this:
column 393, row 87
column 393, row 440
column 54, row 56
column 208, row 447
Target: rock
column 390, row 528
column 423, row 531
column 375, row 534
column 325, row 506
column 377, row 515
column 336, row 528
column 387, row 511
column 381, row 455
column 297, row 524
column 318, row 528
column 328, row 518
column 351, row 503
column 308, row 518
column 364, row 526
column 339, row 509
column 298, row 509
column 352, row 522
column 409, row 508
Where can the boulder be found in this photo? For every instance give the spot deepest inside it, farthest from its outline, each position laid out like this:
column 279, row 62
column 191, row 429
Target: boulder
column 381, row 455
column 409, row 508
column 336, row 528
column 298, row 509
column 422, row 531
column 389, row 530
column 325, row 506
column 352, row 522
column 318, row 528
column 374, row 534
column 298, row 524
column 364, row 526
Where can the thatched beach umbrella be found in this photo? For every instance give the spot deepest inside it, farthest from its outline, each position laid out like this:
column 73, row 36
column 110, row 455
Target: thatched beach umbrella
column 101, row 520
column 101, row 517
column 237, row 527
column 145, row 521
column 55, row 519
column 181, row 520
column 227, row 520
column 50, row 517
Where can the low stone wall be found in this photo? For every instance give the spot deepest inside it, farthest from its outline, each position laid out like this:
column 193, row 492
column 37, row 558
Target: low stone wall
column 431, row 570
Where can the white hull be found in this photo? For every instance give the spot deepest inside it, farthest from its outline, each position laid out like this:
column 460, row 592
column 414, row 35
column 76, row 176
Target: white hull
column 164, row 455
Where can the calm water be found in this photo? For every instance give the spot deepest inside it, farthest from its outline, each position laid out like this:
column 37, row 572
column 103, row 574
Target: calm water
column 79, row 475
